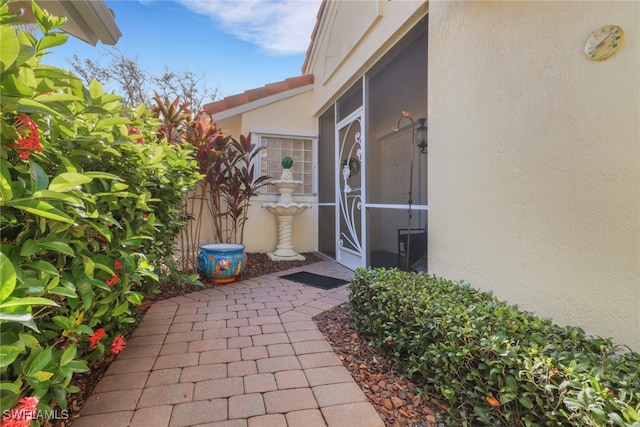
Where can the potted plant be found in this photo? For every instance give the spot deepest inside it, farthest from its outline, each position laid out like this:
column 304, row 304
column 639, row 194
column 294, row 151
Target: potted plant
column 232, row 182
column 229, row 181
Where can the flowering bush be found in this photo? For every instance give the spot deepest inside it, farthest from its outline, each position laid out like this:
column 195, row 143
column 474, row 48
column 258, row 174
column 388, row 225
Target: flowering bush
column 27, row 141
column 90, row 202
column 21, row 415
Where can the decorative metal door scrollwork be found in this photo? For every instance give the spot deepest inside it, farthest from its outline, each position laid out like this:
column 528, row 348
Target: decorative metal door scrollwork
column 350, row 187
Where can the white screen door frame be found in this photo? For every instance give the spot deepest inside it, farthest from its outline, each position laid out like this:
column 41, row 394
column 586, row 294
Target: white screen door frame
column 350, row 173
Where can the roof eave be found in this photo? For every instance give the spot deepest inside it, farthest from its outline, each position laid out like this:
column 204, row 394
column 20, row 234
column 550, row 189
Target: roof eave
column 257, row 103
column 88, row 20
column 238, row 102
column 97, row 21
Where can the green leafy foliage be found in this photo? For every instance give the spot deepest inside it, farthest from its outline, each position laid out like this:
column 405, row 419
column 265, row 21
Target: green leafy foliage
column 90, row 203
column 490, row 362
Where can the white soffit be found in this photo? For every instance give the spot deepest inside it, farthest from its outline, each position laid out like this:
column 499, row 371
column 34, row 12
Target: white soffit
column 89, row 20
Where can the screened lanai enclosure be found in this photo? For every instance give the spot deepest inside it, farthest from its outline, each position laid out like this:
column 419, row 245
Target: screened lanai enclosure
column 372, row 172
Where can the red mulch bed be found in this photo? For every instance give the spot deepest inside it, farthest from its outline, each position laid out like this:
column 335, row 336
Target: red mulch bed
column 394, row 397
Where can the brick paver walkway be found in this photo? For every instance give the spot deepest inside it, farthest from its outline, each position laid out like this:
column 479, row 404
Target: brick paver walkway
column 245, row 354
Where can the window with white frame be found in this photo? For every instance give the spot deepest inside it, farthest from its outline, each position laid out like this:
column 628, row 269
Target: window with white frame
column 299, row 149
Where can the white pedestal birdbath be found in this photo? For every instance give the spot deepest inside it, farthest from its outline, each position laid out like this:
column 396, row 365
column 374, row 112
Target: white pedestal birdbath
column 285, row 210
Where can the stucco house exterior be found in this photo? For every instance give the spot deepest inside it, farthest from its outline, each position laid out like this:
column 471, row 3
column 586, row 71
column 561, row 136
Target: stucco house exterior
column 530, row 186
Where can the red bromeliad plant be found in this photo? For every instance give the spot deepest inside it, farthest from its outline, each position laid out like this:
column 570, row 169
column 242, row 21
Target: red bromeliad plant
column 175, row 119
column 237, row 183
column 227, row 166
column 209, row 144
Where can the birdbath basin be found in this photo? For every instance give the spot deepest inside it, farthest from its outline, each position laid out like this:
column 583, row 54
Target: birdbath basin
column 285, row 210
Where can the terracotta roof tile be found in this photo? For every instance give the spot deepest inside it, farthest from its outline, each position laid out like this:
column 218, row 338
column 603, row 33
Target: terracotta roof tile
column 258, row 93
column 278, row 87
column 235, row 100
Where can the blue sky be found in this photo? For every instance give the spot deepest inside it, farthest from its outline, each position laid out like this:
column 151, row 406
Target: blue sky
column 239, row 44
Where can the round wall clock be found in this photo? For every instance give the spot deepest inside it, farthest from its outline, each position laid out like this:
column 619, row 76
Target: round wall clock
column 604, row 42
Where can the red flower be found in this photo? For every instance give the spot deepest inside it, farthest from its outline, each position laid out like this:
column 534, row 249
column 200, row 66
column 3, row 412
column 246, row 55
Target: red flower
column 493, row 401
column 135, row 131
column 29, row 402
column 117, row 265
column 117, row 345
column 28, row 139
column 21, row 415
column 97, row 336
column 114, row 279
column 145, row 216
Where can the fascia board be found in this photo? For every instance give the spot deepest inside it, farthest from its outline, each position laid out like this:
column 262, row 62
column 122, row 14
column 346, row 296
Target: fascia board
column 321, row 33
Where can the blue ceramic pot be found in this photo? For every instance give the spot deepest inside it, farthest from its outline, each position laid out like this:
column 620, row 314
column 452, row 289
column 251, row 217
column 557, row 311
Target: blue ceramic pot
column 221, row 262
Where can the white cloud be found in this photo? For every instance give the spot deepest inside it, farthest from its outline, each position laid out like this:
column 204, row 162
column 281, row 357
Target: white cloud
column 278, row 26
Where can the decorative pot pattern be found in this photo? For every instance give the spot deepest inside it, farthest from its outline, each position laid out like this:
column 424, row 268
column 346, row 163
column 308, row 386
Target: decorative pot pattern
column 221, row 262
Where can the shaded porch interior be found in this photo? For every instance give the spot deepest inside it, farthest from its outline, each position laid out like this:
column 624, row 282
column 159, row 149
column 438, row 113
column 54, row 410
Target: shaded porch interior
column 396, row 83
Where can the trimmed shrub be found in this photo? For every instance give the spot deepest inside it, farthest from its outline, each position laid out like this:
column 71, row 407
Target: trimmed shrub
column 492, row 363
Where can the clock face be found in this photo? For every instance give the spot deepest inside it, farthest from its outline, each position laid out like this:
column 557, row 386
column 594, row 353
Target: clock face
column 604, row 42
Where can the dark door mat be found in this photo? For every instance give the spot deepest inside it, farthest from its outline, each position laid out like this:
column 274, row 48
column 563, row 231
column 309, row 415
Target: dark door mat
column 315, row 280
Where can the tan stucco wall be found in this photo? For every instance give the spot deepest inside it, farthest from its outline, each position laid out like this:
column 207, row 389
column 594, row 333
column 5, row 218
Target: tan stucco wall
column 289, row 116
column 361, row 33
column 534, row 159
column 292, row 114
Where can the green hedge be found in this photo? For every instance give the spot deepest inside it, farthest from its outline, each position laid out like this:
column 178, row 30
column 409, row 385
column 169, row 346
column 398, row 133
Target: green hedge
column 492, row 363
column 90, row 204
